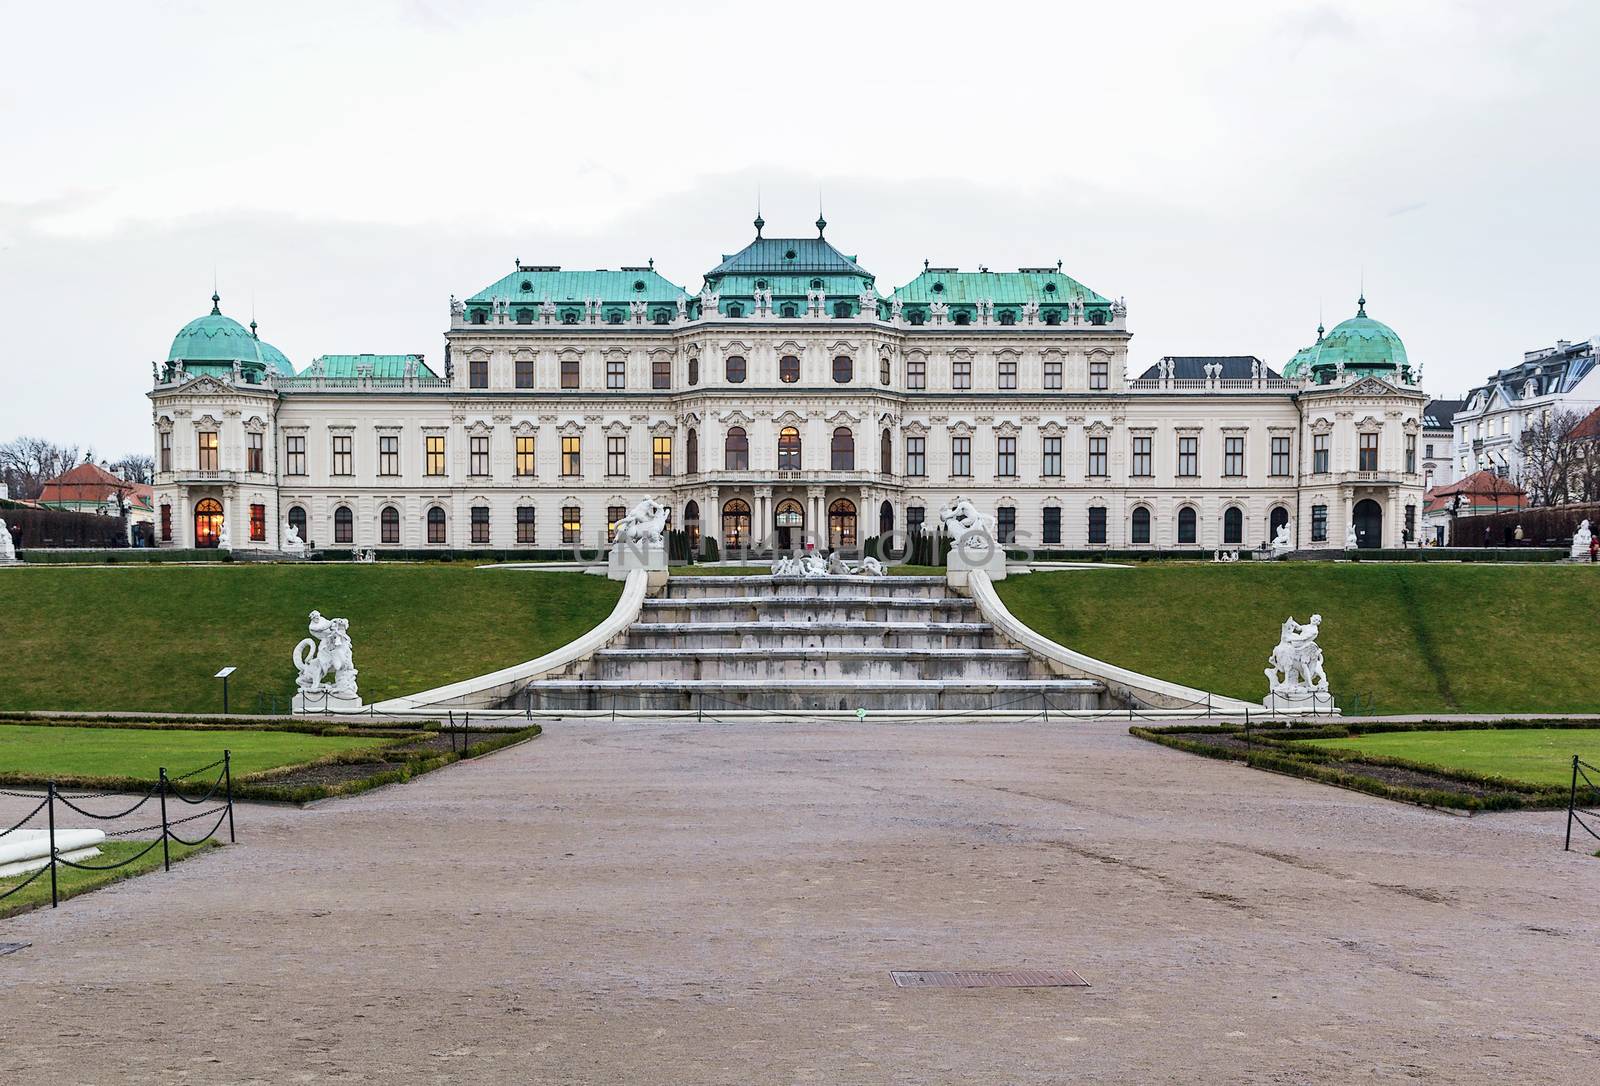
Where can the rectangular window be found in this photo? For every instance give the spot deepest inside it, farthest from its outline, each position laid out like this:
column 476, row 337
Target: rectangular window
column 916, row 373
column 661, row 371
column 433, row 448
column 1005, row 518
column 916, row 517
column 616, row 373
column 1144, row 456
column 1097, row 456
column 661, row 456
column 1411, row 522
column 1319, row 524
column 1428, row 451
column 258, row 523
column 1052, row 373
column 1319, row 454
column 478, row 373
column 294, row 454
column 1052, row 457
column 1188, row 456
column 166, row 451
column 1008, row 372
column 524, row 373
column 1052, row 524
column 961, row 373
column 1369, row 453
column 208, row 450
column 616, row 456
column 255, row 451
column 917, row 456
column 571, row 523
column 1006, row 457
column 1097, row 524
column 572, row 455
column 388, row 454
column 1411, row 454
column 569, row 373
column 480, row 524
column 166, row 524
column 1233, row 456
column 525, row 454
column 525, row 524
column 1099, row 374
column 1280, row 456
column 614, row 513
column 343, row 459
column 478, row 454
column 961, row 456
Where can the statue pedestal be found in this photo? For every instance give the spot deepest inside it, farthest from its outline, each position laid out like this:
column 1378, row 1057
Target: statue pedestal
column 324, row 703
column 1299, row 701
column 975, row 551
column 627, row 557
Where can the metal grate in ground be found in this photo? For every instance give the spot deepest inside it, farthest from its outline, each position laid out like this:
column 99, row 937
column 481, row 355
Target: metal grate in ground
column 987, row 978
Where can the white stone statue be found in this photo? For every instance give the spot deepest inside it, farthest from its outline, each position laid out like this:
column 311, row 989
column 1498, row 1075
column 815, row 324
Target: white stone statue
column 869, row 303
column 683, row 310
column 8, row 547
column 224, row 539
column 709, row 300
column 1580, row 541
column 1295, row 677
column 315, row 659
column 457, row 309
column 646, row 524
column 837, row 566
column 1030, row 312
column 1350, row 541
column 870, row 567
column 938, row 310
column 895, row 307
column 547, row 312
column 292, row 543
column 961, row 518
column 1280, row 541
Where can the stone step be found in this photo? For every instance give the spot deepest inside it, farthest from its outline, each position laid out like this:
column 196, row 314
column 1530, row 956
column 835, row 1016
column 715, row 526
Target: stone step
column 790, row 608
column 784, row 665
column 889, row 586
column 845, row 634
column 810, row 694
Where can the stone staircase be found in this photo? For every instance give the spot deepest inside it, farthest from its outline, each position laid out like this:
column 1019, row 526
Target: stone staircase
column 791, row 643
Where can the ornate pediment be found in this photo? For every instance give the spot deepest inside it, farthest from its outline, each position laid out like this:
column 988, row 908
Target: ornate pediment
column 525, row 427
column 735, row 418
column 1369, row 386
column 615, row 428
column 1097, row 428
column 479, row 427
column 839, row 417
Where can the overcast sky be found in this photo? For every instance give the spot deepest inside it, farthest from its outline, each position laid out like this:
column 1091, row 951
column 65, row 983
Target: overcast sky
column 1233, row 170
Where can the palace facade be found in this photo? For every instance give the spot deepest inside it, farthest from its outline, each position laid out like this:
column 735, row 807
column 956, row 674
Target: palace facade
column 788, row 398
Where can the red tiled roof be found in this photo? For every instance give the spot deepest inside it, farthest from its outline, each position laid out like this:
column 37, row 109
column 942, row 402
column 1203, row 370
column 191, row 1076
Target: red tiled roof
column 1481, row 492
column 84, row 483
column 1588, row 429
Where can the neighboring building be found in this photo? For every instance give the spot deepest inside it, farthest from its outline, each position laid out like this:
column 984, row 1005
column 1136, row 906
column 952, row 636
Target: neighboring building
column 1489, row 426
column 1439, row 442
column 90, row 488
column 789, row 399
column 1482, row 492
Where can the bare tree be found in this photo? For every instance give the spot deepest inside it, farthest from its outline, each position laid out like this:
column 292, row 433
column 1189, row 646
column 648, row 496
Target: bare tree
column 1547, row 458
column 136, row 468
column 27, row 462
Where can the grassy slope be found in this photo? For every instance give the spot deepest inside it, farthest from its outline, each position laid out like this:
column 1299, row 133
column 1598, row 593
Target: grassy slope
column 1534, row 755
column 1420, row 637
column 151, row 638
column 139, row 752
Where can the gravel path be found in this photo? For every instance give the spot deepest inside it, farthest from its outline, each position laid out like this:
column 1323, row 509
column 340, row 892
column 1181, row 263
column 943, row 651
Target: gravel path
column 682, row 904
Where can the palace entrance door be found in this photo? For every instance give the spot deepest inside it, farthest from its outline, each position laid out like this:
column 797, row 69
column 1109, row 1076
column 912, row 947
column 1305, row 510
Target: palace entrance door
column 207, row 522
column 1368, row 519
column 789, row 521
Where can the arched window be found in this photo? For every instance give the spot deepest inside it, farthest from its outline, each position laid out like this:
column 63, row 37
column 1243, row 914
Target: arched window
column 694, row 369
column 297, row 521
column 614, row 316
column 735, row 523
column 343, row 525
column 736, row 450
column 885, row 518
column 788, row 369
column 691, row 523
column 734, row 369
column 208, row 523
column 844, row 449
column 436, row 525
column 789, row 519
column 842, row 524
column 788, row 449
column 885, row 371
column 1186, row 525
column 1233, row 526
column 569, row 316
column 389, row 525
column 1141, row 525
column 844, row 368
column 691, row 452
column 886, row 452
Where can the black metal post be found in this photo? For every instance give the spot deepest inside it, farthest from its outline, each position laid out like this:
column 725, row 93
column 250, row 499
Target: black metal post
column 51, row 795
column 224, row 695
column 227, row 776
column 1572, row 801
column 166, row 852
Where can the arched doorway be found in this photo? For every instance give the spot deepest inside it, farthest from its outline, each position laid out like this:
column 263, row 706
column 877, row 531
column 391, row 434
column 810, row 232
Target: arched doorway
column 842, row 524
column 207, row 522
column 885, row 518
column 691, row 519
column 1275, row 520
column 1368, row 520
column 735, row 524
column 790, row 521
column 1233, row 526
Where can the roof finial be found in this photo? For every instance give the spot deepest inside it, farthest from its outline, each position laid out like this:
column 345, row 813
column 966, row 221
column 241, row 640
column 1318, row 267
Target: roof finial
column 925, row 263
column 760, row 222
column 652, row 263
column 1361, row 303
column 1058, row 265
column 253, row 334
column 216, row 310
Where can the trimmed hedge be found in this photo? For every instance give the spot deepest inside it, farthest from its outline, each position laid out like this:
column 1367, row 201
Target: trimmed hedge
column 1552, row 525
column 1459, row 554
column 131, row 556
column 55, row 528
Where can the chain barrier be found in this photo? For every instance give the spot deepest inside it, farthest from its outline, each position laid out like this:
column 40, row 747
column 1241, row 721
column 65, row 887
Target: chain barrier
column 1580, row 771
column 165, row 828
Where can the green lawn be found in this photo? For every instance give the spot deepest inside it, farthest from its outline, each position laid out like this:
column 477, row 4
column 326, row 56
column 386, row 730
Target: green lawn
column 70, row 882
column 1417, row 637
column 151, row 638
column 1533, row 755
column 140, row 752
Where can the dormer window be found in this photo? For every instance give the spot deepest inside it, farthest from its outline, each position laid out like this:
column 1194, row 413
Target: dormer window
column 480, row 316
column 638, row 286
column 914, row 316
column 526, row 285
column 788, row 254
column 816, row 284
column 614, row 316
column 1007, row 317
column 788, row 310
column 569, row 316
column 938, row 288
column 841, row 310
column 524, row 316
column 663, row 316
column 735, row 309
column 1049, row 288
column 1053, row 317
column 761, row 284
column 962, row 317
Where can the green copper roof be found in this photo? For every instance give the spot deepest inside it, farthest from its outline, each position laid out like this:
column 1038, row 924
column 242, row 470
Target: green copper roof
column 790, row 286
column 214, row 338
column 1045, row 286
column 384, row 366
column 788, row 256
column 1362, row 344
column 532, row 285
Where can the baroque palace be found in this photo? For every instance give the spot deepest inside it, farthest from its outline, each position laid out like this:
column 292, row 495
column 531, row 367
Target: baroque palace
column 789, row 399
